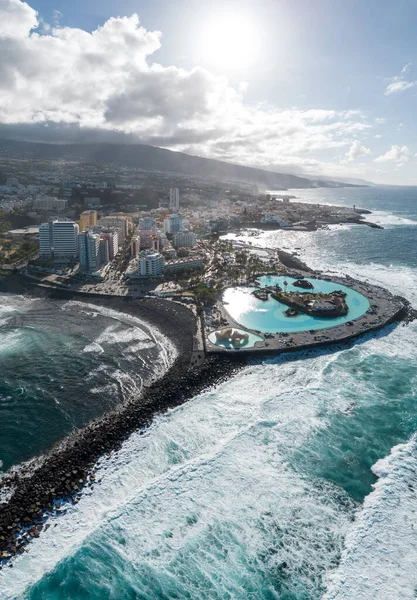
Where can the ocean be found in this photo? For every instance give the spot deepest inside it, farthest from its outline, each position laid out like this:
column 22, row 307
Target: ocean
column 294, row 480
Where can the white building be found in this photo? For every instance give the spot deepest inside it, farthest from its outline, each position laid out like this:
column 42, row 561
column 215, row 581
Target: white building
column 58, row 240
column 151, row 265
column 173, row 224
column 50, row 203
column 174, row 199
column 273, row 218
column 89, row 249
column 186, row 239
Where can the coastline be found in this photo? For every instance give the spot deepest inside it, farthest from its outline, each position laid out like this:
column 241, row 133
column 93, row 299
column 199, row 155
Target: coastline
column 37, row 488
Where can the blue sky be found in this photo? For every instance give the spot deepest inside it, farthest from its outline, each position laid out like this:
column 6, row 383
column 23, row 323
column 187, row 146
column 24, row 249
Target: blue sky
column 341, row 73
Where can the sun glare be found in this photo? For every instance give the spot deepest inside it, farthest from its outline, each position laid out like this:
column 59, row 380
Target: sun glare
column 229, row 41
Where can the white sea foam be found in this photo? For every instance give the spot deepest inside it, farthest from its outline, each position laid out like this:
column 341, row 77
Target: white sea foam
column 388, row 218
column 11, row 342
column 220, row 465
column 93, row 347
column 380, row 556
column 138, row 331
column 222, row 453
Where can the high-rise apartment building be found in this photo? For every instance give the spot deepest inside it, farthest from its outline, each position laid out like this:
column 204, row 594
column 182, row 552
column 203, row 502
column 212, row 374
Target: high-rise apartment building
column 111, row 235
column 135, row 246
column 121, row 222
column 88, row 218
column 174, row 199
column 151, row 265
column 89, row 248
column 58, row 240
column 104, row 251
column 147, row 223
column 173, row 224
column 146, row 237
column 186, row 239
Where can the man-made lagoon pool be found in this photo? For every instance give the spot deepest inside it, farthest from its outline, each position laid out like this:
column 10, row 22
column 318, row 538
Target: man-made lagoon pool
column 269, row 317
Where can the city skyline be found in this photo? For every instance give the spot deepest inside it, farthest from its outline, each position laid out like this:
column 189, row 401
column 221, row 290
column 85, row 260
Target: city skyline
column 325, row 88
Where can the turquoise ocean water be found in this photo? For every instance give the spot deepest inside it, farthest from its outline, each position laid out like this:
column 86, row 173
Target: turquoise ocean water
column 294, row 480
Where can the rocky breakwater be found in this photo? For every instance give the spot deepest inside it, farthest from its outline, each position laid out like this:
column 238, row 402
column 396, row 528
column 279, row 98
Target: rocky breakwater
column 31, row 493
column 290, row 261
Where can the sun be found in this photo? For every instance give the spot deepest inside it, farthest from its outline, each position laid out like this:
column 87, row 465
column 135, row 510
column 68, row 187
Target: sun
column 229, row 41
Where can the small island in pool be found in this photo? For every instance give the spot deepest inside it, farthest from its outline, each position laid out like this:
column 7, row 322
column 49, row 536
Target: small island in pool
column 299, row 310
column 317, row 305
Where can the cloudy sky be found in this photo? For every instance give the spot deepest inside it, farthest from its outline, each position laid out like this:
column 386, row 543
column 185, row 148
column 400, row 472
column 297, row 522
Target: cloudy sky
column 313, row 86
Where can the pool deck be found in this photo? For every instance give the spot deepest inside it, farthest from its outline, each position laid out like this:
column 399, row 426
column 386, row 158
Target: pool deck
column 385, row 308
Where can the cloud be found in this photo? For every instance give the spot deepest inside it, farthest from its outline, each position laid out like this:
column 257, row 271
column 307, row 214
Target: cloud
column 357, row 151
column 399, row 83
column 397, row 154
column 399, row 86
column 16, row 19
column 64, row 84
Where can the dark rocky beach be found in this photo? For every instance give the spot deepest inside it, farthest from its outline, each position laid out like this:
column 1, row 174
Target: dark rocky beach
column 34, row 488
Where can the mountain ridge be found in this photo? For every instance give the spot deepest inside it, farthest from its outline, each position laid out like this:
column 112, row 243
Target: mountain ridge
column 154, row 158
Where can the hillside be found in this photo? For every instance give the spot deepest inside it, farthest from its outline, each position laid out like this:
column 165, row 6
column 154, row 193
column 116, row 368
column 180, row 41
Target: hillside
column 155, row 159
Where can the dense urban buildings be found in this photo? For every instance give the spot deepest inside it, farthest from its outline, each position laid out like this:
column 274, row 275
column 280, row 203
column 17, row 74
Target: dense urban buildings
column 147, row 223
column 122, row 223
column 50, row 203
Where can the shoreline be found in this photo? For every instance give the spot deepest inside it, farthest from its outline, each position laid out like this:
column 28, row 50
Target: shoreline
column 38, row 487
column 58, row 476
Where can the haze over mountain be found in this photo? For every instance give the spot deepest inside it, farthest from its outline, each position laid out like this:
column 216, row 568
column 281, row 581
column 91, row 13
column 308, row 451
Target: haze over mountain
column 159, row 159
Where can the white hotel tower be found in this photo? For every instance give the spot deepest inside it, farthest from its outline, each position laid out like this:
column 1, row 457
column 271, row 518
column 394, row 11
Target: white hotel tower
column 58, row 240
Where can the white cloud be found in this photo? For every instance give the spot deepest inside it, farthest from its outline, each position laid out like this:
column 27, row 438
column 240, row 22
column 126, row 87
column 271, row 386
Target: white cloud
column 399, row 83
column 67, row 84
column 16, row 19
column 357, row 150
column 399, row 86
column 397, row 154
column 406, row 68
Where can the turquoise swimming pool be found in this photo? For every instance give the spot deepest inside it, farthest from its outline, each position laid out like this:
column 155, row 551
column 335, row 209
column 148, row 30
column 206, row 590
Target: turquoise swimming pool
column 269, row 317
